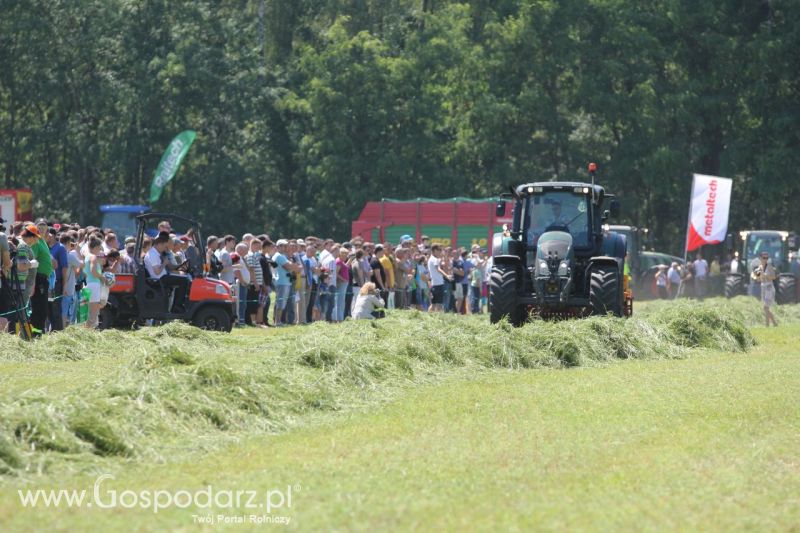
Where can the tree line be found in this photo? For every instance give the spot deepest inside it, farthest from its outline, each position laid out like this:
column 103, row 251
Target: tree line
column 306, row 109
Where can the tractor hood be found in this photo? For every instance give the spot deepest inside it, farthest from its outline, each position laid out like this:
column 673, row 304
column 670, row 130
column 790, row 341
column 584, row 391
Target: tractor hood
column 553, row 267
column 554, row 245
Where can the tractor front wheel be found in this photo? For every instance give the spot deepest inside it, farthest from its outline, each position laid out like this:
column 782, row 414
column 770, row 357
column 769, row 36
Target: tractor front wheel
column 734, row 286
column 787, row 290
column 605, row 291
column 503, row 297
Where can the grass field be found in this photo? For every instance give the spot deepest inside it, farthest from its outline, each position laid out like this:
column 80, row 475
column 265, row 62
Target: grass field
column 481, row 431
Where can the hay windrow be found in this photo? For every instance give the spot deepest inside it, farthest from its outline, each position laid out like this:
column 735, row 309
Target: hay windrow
column 177, row 383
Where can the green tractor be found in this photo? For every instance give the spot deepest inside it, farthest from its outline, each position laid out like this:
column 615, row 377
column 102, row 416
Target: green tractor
column 556, row 260
column 782, row 249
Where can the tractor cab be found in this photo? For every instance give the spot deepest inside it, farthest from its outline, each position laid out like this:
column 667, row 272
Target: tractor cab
column 187, row 293
column 775, row 243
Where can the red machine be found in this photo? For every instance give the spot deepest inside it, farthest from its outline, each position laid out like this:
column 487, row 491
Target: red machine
column 451, row 222
column 16, row 205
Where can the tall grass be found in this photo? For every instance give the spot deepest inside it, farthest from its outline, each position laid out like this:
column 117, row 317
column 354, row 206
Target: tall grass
column 179, row 384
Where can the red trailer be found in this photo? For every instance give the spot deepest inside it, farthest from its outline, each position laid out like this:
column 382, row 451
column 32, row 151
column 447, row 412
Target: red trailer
column 450, row 222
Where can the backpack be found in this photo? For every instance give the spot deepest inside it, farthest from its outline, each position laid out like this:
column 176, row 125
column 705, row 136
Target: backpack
column 215, row 265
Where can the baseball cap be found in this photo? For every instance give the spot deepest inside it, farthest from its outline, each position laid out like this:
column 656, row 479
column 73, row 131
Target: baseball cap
column 281, row 242
column 184, row 238
column 129, row 240
column 301, row 242
column 30, row 228
column 378, row 247
column 406, row 238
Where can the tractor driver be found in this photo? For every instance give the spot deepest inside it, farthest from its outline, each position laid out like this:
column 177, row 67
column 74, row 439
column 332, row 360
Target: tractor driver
column 558, row 218
column 156, row 264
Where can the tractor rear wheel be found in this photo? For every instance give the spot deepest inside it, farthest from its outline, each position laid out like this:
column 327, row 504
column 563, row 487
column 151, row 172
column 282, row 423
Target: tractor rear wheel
column 605, row 290
column 787, row 290
column 212, row 318
column 503, row 297
column 734, row 286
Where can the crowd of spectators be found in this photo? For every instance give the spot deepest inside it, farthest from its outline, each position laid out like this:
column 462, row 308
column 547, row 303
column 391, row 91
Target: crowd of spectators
column 276, row 283
column 45, row 266
column 309, row 279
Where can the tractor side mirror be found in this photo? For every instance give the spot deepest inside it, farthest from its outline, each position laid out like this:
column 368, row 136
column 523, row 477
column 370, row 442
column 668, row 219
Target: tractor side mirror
column 792, row 242
column 614, row 208
column 500, row 208
column 729, row 242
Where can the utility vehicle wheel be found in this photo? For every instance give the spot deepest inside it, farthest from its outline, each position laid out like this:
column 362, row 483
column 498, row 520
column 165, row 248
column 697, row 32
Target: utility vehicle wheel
column 212, row 318
column 605, row 291
column 105, row 318
column 503, row 297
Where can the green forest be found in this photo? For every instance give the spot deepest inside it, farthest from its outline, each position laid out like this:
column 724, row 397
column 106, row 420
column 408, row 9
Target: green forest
column 306, row 109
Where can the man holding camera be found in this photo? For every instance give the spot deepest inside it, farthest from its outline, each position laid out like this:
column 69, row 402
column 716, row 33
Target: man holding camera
column 156, row 262
column 766, row 274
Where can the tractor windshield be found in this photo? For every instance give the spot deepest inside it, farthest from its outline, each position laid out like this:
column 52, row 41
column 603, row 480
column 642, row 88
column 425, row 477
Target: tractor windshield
column 770, row 243
column 558, row 210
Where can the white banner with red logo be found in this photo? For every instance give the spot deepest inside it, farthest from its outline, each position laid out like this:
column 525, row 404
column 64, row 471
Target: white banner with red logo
column 708, row 211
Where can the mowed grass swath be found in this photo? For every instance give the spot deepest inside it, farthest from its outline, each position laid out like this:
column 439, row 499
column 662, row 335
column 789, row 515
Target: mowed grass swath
column 161, row 393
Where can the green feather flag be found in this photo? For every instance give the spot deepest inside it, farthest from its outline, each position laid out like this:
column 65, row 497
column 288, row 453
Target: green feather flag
column 170, row 162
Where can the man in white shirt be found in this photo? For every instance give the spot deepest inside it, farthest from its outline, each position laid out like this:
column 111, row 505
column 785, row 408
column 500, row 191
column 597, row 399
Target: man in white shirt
column 224, row 256
column 437, row 275
column 700, row 276
column 673, row 278
column 156, row 264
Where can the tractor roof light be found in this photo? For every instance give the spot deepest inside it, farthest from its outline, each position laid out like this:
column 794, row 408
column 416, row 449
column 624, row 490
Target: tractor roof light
column 530, row 190
column 784, row 235
column 743, row 235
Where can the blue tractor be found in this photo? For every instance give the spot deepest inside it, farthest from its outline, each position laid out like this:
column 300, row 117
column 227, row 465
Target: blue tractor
column 556, row 260
column 122, row 219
